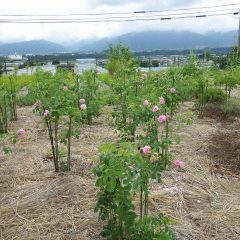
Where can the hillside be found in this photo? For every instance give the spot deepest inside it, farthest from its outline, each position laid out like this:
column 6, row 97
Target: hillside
column 147, row 41
column 34, row 47
column 143, row 41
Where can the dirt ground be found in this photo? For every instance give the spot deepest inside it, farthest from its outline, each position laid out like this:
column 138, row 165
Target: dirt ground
column 35, row 203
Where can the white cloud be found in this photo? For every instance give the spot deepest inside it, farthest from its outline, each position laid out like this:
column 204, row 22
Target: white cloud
column 74, row 32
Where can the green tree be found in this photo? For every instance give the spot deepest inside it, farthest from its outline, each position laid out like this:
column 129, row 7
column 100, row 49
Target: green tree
column 55, row 62
column 122, row 67
column 155, row 63
column 120, row 58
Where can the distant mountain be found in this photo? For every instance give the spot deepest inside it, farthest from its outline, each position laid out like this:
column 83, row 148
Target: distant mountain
column 33, row 47
column 152, row 40
column 143, row 41
column 76, row 45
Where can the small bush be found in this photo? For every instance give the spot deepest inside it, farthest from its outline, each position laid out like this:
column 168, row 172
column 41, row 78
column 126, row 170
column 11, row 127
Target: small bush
column 232, row 107
column 223, row 112
column 63, row 166
column 152, row 228
column 214, row 95
column 27, row 100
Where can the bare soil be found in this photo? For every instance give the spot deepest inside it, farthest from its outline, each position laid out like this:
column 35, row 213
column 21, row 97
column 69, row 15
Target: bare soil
column 224, row 149
column 36, row 203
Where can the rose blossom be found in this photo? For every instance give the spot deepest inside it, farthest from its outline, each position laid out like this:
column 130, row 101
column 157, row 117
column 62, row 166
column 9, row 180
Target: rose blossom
column 46, row 113
column 82, row 100
column 155, row 109
column 146, row 150
column 83, row 106
column 21, row 132
column 162, row 118
column 161, row 100
column 145, row 103
column 172, row 90
column 178, row 163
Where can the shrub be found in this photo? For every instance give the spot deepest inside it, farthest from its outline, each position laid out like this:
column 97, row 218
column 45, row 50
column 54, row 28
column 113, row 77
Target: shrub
column 215, row 95
column 152, row 228
column 232, row 108
column 27, row 100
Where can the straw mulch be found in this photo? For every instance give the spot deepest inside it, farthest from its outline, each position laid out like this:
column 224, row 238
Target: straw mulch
column 36, row 203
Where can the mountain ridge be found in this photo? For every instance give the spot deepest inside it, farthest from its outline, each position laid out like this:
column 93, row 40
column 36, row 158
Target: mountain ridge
column 31, row 47
column 141, row 41
column 153, row 40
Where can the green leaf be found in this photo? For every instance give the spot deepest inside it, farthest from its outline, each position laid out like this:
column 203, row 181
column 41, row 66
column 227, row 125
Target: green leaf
column 14, row 140
column 6, row 149
column 112, row 184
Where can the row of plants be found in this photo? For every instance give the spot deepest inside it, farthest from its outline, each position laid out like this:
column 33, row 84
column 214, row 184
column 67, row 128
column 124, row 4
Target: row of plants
column 143, row 110
column 65, row 101
column 8, row 103
column 143, row 107
column 144, row 125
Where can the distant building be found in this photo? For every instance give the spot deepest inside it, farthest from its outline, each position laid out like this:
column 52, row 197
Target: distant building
column 15, row 57
column 64, row 65
column 14, row 61
column 86, row 61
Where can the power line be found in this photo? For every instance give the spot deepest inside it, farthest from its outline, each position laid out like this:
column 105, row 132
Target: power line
column 119, row 20
column 119, row 13
column 116, row 17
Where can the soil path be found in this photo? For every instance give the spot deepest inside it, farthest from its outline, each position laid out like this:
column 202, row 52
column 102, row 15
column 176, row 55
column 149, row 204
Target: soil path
column 36, row 203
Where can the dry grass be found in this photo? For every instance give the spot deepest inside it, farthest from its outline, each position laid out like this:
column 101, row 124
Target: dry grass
column 36, row 203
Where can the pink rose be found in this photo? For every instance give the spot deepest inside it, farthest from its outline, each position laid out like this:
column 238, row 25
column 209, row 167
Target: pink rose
column 65, row 88
column 172, row 90
column 178, row 163
column 146, row 150
column 46, row 113
column 82, row 100
column 21, row 132
column 161, row 100
column 155, row 109
column 145, row 103
column 83, row 106
column 162, row 118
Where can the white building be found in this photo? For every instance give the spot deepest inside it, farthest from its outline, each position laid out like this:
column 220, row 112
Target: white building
column 15, row 57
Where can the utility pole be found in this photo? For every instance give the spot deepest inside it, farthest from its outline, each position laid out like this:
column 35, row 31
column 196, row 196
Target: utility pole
column 239, row 32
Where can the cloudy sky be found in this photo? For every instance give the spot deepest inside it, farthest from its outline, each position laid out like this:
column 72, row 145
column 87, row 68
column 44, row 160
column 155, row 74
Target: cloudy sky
column 66, row 32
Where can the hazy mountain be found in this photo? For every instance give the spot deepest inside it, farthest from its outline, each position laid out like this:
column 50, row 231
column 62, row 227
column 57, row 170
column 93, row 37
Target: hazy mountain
column 76, row 45
column 143, row 41
column 35, row 46
column 164, row 40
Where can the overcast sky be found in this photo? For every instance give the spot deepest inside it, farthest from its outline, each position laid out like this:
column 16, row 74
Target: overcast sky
column 66, row 32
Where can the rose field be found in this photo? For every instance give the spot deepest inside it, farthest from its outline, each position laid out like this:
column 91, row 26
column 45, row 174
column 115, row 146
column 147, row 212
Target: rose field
column 123, row 155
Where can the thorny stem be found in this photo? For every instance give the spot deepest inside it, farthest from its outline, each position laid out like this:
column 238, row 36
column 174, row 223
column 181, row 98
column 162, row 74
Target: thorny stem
column 69, row 143
column 5, row 119
column 56, row 145
column 166, row 148
column 49, row 126
column 146, row 204
column 141, row 202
